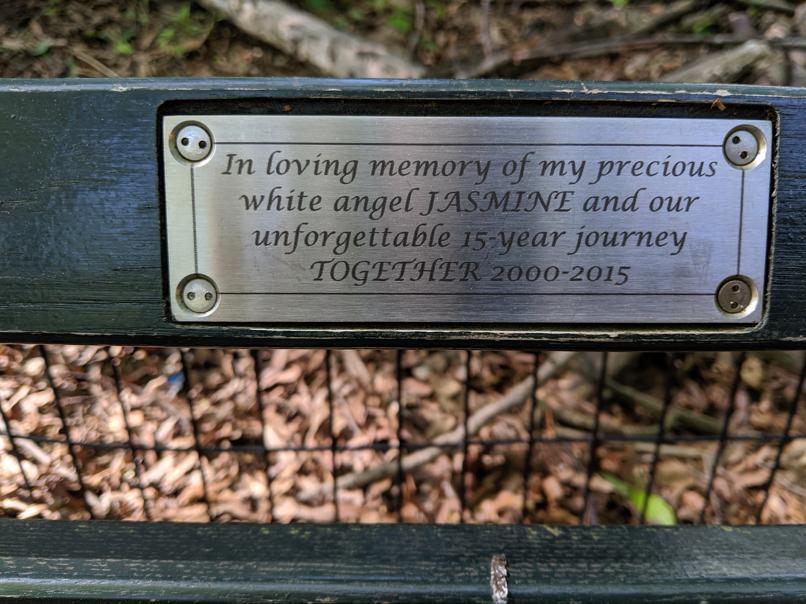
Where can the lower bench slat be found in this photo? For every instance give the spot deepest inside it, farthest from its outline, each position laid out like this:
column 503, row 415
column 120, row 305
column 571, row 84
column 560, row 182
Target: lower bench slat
column 133, row 562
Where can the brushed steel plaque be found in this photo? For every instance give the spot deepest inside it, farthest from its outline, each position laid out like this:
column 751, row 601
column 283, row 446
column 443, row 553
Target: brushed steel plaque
column 366, row 219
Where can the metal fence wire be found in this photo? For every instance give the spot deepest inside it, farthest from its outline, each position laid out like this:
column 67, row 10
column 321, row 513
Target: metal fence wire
column 378, row 436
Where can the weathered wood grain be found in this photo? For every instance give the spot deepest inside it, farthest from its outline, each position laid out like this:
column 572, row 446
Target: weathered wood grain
column 134, row 562
column 81, row 240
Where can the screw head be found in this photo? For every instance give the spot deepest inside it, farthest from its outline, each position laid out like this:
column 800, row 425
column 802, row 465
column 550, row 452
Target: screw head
column 735, row 295
column 193, row 142
column 742, row 146
column 198, row 294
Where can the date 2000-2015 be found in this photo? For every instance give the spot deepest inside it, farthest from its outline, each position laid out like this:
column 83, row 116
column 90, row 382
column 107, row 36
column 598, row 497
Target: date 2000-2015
column 362, row 272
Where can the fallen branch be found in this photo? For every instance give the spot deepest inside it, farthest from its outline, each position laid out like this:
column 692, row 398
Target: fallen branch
column 676, row 416
column 684, row 417
column 88, row 59
column 516, row 63
column 674, row 12
column 585, row 421
column 516, row 396
column 776, row 5
column 724, row 66
column 639, row 446
column 311, row 40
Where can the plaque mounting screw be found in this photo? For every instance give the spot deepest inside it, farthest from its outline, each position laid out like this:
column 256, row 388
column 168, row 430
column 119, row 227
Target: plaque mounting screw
column 743, row 145
column 198, row 294
column 193, row 142
column 735, row 295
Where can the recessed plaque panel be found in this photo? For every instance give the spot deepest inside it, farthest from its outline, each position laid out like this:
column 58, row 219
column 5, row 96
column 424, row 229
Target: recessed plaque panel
column 367, row 219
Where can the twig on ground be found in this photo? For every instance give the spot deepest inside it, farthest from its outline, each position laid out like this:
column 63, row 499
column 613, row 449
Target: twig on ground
column 17, row 45
column 668, row 450
column 419, row 25
column 724, row 66
column 513, row 64
column 585, row 421
column 93, row 62
column 776, row 5
column 676, row 416
column 676, row 11
column 312, row 40
column 516, row 396
column 486, row 37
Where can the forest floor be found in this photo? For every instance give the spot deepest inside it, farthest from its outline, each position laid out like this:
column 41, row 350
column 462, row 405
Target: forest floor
column 161, row 405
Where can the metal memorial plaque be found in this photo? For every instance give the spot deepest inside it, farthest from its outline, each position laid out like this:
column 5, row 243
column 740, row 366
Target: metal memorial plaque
column 345, row 219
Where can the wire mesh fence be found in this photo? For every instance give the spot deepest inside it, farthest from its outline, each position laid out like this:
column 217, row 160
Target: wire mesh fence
column 412, row 436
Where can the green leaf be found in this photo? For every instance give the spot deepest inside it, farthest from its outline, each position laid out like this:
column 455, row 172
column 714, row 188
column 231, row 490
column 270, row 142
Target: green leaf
column 42, row 47
column 319, row 6
column 182, row 15
column 702, row 25
column 619, row 3
column 438, row 8
column 122, row 47
column 72, row 68
column 356, row 14
column 429, row 45
column 121, row 43
column 400, row 21
column 53, row 9
column 658, row 511
column 165, row 37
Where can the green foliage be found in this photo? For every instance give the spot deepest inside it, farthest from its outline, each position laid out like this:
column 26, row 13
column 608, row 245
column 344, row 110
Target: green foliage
column 319, row 6
column 438, row 8
column 143, row 13
column 182, row 25
column 619, row 3
column 122, row 47
column 72, row 68
column 401, row 20
column 658, row 511
column 428, row 45
column 53, row 8
column 397, row 15
column 138, row 13
column 121, row 44
column 356, row 14
column 41, row 49
column 703, row 24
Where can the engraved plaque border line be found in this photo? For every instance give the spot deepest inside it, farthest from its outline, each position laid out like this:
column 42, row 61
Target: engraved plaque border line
column 323, row 143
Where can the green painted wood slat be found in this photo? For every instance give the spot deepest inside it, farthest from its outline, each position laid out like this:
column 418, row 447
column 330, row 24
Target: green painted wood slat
column 140, row 562
column 81, row 239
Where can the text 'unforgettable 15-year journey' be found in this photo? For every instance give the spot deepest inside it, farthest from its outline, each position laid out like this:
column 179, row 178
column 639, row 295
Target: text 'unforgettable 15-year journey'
column 464, row 219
